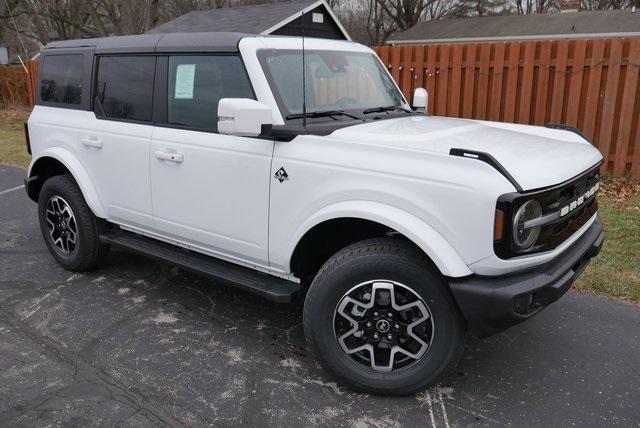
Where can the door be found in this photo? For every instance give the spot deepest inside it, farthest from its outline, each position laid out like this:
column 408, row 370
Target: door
column 210, row 191
column 114, row 142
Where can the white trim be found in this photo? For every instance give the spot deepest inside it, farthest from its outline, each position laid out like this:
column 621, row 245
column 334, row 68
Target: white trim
column 514, row 38
column 306, row 10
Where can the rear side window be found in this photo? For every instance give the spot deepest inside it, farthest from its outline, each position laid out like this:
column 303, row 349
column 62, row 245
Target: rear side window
column 62, row 79
column 124, row 87
column 196, row 85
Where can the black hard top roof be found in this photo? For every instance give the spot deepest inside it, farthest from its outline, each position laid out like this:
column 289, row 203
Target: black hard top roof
column 147, row 43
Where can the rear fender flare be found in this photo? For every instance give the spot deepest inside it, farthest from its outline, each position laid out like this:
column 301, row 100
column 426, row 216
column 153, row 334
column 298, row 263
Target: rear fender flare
column 78, row 172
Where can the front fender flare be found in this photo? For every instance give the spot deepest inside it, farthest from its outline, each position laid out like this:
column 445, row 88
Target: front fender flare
column 79, row 173
column 443, row 255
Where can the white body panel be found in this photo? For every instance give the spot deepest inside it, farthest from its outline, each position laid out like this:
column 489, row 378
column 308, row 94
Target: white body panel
column 113, row 155
column 217, row 196
column 217, row 193
column 325, row 172
column 535, row 156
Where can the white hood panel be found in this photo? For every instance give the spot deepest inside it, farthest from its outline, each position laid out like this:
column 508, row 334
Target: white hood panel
column 535, row 156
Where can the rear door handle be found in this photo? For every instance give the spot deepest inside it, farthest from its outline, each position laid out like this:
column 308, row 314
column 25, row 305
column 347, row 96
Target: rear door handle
column 91, row 142
column 169, row 156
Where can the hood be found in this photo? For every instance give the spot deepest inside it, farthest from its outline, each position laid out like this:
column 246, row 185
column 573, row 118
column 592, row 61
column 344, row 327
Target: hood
column 534, row 156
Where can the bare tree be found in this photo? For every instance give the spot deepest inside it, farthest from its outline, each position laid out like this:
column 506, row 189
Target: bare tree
column 524, row 7
column 407, row 13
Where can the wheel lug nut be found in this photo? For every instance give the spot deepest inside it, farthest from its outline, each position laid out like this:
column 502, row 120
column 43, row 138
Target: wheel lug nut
column 397, row 326
column 389, row 315
column 376, row 336
column 375, row 314
column 389, row 337
column 369, row 324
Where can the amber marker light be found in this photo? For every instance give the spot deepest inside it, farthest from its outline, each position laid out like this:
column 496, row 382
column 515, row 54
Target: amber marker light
column 498, row 226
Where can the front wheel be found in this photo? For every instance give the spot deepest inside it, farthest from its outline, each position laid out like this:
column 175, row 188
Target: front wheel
column 380, row 318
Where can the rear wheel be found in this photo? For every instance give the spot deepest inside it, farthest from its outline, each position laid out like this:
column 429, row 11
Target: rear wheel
column 381, row 319
column 69, row 228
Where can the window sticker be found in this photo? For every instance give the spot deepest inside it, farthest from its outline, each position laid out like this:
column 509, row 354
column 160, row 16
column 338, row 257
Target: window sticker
column 185, row 76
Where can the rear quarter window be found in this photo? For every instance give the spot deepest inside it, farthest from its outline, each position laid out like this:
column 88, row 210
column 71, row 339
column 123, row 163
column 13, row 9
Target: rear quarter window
column 124, row 87
column 61, row 80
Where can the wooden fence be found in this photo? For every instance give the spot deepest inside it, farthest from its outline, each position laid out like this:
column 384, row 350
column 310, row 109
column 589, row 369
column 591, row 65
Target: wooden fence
column 18, row 83
column 13, row 85
column 590, row 84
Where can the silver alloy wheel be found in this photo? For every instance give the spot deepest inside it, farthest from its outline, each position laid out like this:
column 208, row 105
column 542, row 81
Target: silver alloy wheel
column 63, row 228
column 383, row 325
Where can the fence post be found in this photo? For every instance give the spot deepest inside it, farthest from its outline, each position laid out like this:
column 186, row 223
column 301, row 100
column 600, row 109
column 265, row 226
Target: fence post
column 32, row 68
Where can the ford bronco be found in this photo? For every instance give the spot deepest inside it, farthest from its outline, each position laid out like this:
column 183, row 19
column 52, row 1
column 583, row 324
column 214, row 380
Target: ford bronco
column 292, row 167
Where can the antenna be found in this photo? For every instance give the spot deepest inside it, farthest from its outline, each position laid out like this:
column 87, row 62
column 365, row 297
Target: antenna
column 304, row 84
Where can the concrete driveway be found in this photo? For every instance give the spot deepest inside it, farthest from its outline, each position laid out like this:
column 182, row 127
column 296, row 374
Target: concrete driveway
column 142, row 343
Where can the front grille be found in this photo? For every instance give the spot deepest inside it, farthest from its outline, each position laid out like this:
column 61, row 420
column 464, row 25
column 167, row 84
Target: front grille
column 553, row 200
column 557, row 197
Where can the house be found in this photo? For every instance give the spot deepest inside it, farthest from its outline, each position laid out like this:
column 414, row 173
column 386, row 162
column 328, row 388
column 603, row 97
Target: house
column 568, row 25
column 272, row 18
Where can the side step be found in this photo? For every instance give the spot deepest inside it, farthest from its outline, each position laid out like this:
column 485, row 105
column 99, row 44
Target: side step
column 270, row 287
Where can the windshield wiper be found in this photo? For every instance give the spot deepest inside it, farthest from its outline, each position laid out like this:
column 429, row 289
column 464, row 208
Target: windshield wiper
column 383, row 109
column 327, row 113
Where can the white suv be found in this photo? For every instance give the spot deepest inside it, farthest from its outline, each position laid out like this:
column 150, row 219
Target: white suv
column 402, row 230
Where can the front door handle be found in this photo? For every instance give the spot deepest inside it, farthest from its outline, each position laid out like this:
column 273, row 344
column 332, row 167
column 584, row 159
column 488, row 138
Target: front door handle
column 91, row 142
column 169, row 156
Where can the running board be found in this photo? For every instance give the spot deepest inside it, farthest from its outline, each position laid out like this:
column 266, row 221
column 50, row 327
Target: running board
column 270, row 287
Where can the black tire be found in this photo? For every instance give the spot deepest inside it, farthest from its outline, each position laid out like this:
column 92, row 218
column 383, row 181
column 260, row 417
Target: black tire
column 87, row 253
column 400, row 262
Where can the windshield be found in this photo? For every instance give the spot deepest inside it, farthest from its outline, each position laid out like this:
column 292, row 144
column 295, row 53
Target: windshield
column 335, row 81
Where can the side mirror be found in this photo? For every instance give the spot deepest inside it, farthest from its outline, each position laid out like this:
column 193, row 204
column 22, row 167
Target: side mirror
column 242, row 117
column 420, row 99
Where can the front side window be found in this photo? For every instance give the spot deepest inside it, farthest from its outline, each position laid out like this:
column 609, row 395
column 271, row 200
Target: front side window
column 62, row 79
column 335, row 80
column 124, row 87
column 196, row 85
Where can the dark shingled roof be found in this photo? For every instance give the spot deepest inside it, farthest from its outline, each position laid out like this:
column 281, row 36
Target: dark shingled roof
column 249, row 19
column 570, row 24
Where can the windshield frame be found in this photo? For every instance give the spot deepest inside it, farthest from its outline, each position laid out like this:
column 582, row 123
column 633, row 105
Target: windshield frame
column 262, row 55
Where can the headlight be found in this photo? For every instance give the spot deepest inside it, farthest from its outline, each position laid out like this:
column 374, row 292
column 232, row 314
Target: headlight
column 526, row 237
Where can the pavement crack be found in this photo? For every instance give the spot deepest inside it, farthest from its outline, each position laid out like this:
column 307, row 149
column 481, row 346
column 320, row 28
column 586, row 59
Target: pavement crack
column 83, row 372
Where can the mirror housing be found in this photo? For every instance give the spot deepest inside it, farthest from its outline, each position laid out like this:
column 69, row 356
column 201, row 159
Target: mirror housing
column 420, row 99
column 243, row 117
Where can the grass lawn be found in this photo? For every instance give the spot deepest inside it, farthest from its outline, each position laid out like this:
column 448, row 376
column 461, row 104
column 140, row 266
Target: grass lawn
column 12, row 147
column 615, row 273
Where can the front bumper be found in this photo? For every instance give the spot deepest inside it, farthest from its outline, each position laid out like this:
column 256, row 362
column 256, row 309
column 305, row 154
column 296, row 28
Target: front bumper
column 492, row 304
